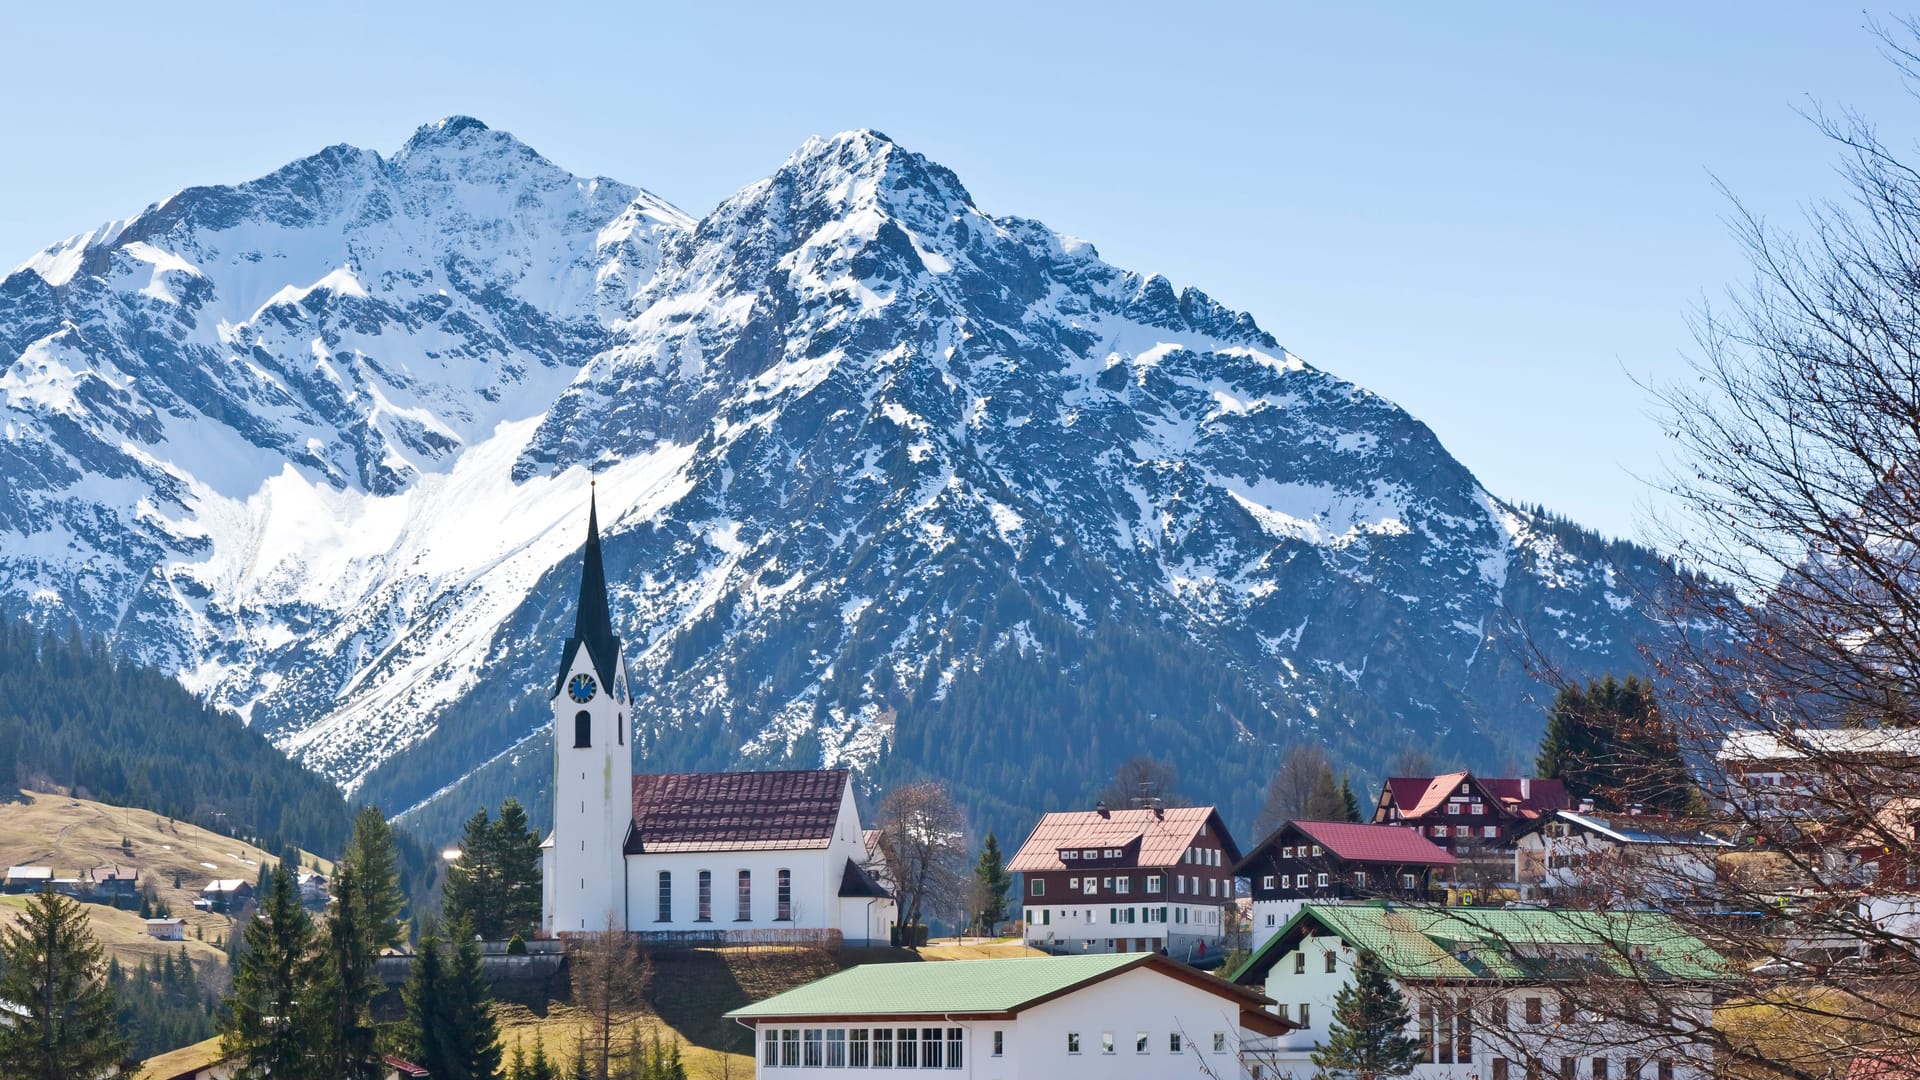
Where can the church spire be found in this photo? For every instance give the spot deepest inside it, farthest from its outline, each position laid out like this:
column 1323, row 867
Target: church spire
column 592, row 619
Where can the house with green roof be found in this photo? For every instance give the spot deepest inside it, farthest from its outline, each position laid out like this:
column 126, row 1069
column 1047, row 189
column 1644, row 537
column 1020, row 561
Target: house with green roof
column 1501, row 993
column 1052, row 1017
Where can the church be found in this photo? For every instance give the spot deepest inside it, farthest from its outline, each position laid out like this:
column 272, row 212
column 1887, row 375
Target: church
column 692, row 858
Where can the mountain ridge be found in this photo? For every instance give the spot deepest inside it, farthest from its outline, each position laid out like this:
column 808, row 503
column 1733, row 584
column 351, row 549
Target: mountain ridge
column 858, row 442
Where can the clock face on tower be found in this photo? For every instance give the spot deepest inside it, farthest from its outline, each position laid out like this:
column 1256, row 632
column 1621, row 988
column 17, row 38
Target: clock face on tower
column 581, row 687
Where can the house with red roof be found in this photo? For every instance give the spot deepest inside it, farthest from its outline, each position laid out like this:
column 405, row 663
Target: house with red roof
column 1336, row 861
column 1136, row 880
column 689, row 858
column 1476, row 819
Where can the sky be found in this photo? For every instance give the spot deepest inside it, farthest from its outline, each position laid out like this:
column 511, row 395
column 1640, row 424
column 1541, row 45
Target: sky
column 1500, row 216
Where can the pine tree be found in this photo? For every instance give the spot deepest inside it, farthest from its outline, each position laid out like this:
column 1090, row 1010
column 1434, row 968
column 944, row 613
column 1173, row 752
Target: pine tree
column 1368, row 1036
column 50, row 967
column 374, row 862
column 991, row 882
column 1349, row 802
column 267, row 1029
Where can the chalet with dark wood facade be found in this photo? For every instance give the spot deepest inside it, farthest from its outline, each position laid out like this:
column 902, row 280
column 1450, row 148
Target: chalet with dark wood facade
column 1332, row 861
column 1137, row 880
column 1466, row 814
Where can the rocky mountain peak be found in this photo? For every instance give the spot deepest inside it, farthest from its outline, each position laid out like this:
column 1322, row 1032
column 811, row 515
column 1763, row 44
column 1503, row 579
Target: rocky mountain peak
column 885, row 478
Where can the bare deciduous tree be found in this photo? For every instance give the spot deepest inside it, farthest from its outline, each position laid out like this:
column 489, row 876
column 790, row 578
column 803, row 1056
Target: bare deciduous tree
column 1793, row 682
column 1143, row 780
column 923, row 841
column 610, row 974
column 1304, row 789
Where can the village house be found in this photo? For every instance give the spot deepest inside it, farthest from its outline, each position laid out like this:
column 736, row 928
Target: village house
column 111, row 881
column 1057, row 1018
column 1615, row 861
column 224, row 894
column 689, row 857
column 1333, row 861
column 313, row 889
column 1137, row 880
column 1492, row 992
column 1767, row 776
column 1473, row 818
column 27, row 879
column 167, row 929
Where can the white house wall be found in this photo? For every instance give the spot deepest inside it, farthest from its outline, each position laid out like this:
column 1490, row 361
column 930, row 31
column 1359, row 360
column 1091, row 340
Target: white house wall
column 1582, row 1039
column 1035, row 1043
column 1091, row 928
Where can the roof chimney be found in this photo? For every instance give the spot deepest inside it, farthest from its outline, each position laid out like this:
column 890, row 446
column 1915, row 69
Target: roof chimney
column 1100, row 808
column 1526, row 788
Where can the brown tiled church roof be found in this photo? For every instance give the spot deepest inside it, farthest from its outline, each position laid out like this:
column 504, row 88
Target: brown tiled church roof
column 737, row 811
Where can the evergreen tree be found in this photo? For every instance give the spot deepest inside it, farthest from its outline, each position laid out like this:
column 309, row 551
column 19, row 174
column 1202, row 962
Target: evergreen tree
column 1349, row 802
column 495, row 883
column 51, row 968
column 268, row 1029
column 516, row 846
column 1368, row 1036
column 472, row 890
column 1609, row 743
column 449, row 1014
column 991, row 882
column 345, row 993
column 541, row 1067
column 374, row 862
column 426, row 986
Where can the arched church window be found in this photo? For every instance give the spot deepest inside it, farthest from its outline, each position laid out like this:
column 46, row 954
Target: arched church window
column 666, row 896
column 746, row 897
column 620, row 728
column 783, row 899
column 582, row 728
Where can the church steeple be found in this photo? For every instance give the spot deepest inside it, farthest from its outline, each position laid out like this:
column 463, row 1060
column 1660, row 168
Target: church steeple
column 592, row 619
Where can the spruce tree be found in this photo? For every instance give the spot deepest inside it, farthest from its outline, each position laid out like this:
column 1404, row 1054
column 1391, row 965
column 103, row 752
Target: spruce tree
column 991, row 882
column 346, row 990
column 1349, row 802
column 374, row 862
column 472, row 885
column 1608, row 742
column 1368, row 1036
column 516, row 846
column 426, row 985
column 51, row 969
column 267, row 1028
column 472, row 1040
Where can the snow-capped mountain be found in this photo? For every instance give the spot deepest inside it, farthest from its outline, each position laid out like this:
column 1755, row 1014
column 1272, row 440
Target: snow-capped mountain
column 886, row 480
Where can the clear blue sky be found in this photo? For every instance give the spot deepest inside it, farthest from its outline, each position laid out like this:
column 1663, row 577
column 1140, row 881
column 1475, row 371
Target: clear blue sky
column 1497, row 215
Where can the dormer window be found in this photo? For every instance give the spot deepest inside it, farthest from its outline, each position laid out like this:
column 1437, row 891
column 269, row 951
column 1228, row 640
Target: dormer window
column 1069, row 856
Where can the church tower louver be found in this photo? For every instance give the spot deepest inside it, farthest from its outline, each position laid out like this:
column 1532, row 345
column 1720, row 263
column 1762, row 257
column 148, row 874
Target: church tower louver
column 585, row 875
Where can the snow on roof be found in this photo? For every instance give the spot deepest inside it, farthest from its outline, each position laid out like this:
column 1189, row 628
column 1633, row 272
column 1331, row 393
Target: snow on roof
column 1755, row 747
